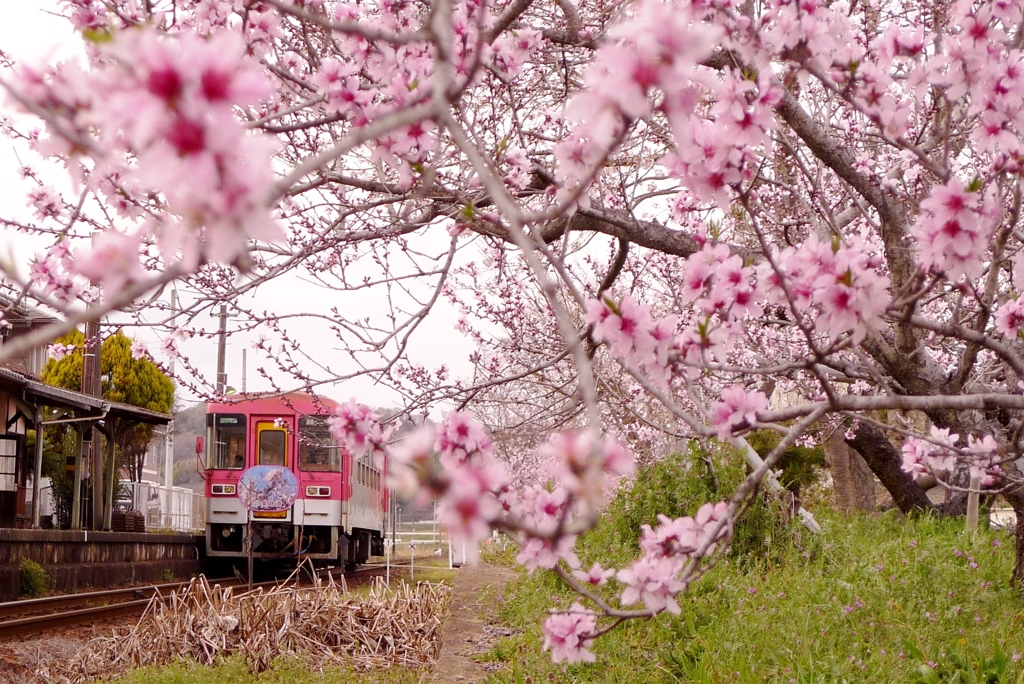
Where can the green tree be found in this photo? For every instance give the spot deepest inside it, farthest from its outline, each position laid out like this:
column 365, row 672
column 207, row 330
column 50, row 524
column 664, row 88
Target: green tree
column 126, row 380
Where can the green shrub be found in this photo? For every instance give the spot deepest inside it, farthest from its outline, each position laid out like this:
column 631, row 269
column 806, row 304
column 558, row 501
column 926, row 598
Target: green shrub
column 34, row 580
column 680, row 484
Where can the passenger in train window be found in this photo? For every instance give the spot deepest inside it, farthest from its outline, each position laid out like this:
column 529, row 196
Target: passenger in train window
column 239, row 461
column 270, row 456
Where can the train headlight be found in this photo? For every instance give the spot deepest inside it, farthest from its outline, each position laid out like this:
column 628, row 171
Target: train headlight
column 223, row 489
column 314, row 490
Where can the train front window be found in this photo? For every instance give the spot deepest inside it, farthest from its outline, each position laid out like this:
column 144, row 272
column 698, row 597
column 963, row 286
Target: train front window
column 317, row 451
column 272, row 446
column 226, row 437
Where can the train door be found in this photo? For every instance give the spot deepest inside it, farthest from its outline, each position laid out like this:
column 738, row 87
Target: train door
column 273, row 444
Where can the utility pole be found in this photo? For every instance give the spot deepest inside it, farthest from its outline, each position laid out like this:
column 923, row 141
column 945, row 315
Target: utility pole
column 222, row 377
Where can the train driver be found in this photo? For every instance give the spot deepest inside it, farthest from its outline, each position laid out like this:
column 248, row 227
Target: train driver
column 317, row 460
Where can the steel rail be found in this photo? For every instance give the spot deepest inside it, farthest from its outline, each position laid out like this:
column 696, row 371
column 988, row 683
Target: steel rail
column 14, row 609
column 59, row 616
column 71, row 618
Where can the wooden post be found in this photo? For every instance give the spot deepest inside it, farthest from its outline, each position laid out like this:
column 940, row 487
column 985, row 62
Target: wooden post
column 973, row 502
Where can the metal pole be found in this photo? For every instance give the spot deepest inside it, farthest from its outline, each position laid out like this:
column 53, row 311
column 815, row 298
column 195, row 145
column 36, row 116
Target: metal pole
column 92, row 385
column 37, row 473
column 76, row 491
column 169, row 431
column 222, row 378
column 108, row 510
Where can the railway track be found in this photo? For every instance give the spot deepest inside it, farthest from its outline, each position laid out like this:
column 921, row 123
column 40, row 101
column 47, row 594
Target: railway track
column 32, row 616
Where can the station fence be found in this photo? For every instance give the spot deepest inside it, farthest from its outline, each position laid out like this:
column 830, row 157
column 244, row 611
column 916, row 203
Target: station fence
column 170, row 508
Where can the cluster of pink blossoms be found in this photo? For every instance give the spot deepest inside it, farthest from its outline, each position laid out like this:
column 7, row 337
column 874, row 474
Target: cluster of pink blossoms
column 545, row 511
column 938, row 456
column 953, row 229
column 159, row 113
column 1009, row 318
column 632, row 334
column 653, row 578
column 468, row 482
column 139, row 349
column 738, row 408
column 52, row 274
column 58, row 351
column 357, row 428
column 572, row 452
column 840, row 281
column 659, row 48
column 569, row 635
column 723, row 291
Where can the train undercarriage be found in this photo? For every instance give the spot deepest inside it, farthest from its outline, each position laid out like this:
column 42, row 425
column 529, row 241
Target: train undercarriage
column 274, row 541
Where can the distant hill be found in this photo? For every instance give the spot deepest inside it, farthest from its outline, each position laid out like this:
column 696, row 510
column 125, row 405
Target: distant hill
column 188, row 424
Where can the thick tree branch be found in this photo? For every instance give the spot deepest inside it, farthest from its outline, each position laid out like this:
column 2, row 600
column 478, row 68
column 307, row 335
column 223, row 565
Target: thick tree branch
column 884, row 460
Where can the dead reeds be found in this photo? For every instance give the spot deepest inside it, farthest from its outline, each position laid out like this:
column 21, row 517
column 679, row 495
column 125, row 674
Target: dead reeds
column 321, row 625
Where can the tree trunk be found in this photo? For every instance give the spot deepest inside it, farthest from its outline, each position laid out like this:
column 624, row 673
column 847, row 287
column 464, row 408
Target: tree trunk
column 853, row 480
column 1016, row 499
column 885, row 461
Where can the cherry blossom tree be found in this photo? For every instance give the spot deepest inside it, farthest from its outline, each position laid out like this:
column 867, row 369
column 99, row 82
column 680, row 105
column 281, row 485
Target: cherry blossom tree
column 658, row 220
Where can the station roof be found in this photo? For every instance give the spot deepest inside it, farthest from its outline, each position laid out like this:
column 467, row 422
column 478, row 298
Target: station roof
column 39, row 393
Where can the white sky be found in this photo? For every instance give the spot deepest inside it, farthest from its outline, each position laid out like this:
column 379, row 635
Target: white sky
column 30, row 33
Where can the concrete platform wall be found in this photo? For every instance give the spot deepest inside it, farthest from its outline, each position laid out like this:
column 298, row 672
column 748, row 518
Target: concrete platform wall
column 77, row 560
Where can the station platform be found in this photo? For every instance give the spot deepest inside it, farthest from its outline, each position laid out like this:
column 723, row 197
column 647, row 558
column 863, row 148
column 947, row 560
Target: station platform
column 79, row 559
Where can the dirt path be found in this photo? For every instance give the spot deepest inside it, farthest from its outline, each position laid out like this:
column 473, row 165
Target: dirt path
column 470, row 629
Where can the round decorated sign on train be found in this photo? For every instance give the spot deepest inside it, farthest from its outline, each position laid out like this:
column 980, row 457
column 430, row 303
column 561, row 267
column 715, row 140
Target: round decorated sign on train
column 268, row 488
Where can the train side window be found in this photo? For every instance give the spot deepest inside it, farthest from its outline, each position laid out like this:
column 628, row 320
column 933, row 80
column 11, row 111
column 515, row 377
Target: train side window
column 272, row 450
column 226, row 442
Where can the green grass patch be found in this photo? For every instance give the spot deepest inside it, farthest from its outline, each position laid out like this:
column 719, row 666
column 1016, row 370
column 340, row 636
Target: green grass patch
column 872, row 599
column 284, row 671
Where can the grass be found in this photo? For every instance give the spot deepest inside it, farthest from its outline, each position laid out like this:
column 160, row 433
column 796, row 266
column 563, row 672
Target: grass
column 873, row 599
column 284, row 671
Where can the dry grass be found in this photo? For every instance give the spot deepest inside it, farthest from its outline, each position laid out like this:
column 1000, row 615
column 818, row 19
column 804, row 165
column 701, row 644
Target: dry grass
column 322, row 624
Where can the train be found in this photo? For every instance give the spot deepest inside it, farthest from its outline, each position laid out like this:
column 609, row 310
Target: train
column 341, row 507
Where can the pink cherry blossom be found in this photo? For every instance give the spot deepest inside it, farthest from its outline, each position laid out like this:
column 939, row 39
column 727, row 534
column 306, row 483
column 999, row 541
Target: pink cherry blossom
column 58, row 351
column 595, row 576
column 652, row 580
column 953, row 230
column 358, row 429
column 737, row 408
column 113, row 259
column 139, row 349
column 1009, row 318
column 568, row 635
